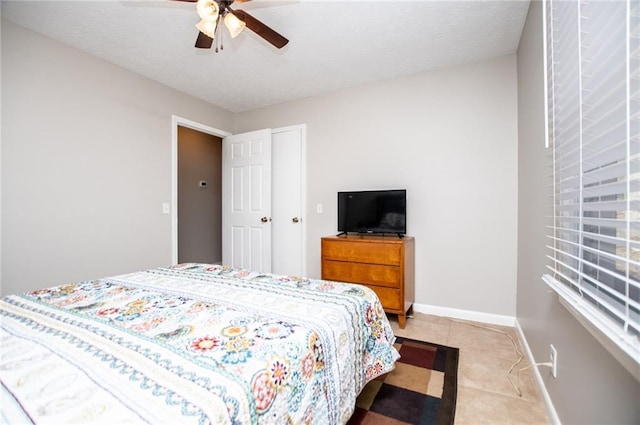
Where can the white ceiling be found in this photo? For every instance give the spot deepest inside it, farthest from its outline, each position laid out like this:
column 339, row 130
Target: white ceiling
column 333, row 44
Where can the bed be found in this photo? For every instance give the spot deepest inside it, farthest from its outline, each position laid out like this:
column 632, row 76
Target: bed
column 191, row 344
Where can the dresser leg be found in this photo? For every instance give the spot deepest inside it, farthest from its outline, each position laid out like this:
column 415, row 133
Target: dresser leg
column 402, row 320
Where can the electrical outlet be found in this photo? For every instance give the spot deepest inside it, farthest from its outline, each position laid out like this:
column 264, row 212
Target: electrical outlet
column 554, row 361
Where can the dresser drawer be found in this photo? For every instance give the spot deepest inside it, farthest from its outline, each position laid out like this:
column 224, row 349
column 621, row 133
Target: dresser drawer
column 362, row 252
column 370, row 274
column 389, row 298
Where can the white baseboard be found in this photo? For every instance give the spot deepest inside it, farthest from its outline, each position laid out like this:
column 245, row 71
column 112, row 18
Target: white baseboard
column 551, row 411
column 475, row 316
column 496, row 319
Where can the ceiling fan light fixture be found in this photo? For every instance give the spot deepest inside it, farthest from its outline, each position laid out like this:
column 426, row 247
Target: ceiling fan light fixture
column 233, row 24
column 208, row 10
column 207, row 27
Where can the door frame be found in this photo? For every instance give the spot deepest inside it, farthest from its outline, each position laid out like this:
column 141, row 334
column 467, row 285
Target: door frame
column 184, row 122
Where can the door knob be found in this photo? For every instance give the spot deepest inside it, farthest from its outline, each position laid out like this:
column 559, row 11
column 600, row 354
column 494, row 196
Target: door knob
column 264, row 219
column 295, row 219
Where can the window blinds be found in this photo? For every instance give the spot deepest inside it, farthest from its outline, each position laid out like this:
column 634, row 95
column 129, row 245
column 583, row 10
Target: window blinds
column 593, row 103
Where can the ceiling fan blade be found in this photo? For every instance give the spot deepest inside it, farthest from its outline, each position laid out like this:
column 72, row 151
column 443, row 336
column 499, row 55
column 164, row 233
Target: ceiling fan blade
column 261, row 29
column 203, row 41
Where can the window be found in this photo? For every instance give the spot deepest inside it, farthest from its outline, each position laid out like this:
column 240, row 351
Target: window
column 592, row 69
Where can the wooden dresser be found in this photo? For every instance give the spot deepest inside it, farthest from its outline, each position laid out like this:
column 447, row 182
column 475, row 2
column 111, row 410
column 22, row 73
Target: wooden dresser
column 383, row 263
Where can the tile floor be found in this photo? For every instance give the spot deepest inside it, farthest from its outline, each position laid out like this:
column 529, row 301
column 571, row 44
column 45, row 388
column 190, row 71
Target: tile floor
column 485, row 393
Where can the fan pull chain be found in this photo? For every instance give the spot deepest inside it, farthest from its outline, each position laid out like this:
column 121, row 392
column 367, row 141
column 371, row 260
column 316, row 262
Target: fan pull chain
column 218, row 38
column 219, row 42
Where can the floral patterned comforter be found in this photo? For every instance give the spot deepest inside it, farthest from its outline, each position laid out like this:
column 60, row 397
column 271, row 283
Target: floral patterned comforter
column 192, row 343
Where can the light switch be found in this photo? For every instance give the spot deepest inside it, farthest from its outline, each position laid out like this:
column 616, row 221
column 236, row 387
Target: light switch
column 166, row 208
column 319, row 208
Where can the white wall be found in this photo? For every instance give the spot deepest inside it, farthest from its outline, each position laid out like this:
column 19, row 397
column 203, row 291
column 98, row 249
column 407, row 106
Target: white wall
column 591, row 387
column 86, row 164
column 450, row 138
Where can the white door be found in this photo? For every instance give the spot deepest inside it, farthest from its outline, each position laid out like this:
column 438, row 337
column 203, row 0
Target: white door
column 288, row 187
column 246, row 200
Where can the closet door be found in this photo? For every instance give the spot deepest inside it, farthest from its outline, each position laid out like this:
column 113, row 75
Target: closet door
column 288, row 195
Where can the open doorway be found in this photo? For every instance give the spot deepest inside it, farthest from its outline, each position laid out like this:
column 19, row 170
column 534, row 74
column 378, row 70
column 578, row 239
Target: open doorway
column 199, row 197
column 178, row 123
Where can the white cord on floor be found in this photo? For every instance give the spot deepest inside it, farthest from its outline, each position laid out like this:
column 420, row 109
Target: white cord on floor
column 515, row 385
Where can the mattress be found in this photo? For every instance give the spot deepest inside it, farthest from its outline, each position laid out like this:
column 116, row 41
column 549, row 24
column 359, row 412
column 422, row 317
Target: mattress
column 191, row 344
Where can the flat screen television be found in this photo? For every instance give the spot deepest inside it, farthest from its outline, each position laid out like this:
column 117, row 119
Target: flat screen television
column 373, row 211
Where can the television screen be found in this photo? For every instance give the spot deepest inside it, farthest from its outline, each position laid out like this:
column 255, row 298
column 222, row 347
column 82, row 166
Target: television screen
column 373, row 211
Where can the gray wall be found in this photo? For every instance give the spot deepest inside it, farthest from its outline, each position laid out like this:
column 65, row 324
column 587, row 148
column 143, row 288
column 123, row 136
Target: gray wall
column 86, row 167
column 450, row 138
column 199, row 208
column 591, row 387
column 86, row 164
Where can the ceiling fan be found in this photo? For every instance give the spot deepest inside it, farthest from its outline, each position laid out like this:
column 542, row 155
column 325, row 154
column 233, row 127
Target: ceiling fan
column 213, row 12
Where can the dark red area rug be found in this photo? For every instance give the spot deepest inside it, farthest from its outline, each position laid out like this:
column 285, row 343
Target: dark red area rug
column 420, row 390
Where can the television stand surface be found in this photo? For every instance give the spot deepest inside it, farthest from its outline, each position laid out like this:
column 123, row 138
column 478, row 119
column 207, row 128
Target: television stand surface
column 382, row 235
